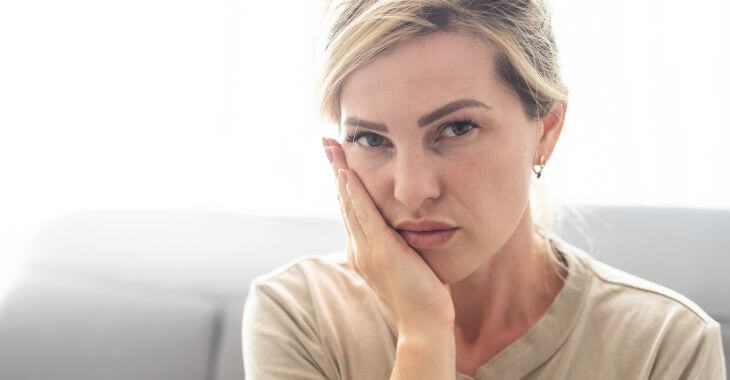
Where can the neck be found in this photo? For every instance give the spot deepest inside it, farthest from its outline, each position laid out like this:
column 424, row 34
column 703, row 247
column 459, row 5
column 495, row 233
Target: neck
column 510, row 292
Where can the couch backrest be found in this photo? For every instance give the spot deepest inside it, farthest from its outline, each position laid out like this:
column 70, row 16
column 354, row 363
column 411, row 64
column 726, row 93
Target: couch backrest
column 192, row 271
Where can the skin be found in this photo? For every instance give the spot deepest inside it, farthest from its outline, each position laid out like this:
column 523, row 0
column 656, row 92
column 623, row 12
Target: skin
column 493, row 280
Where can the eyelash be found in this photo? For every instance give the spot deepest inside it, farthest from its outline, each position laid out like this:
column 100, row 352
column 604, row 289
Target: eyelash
column 354, row 137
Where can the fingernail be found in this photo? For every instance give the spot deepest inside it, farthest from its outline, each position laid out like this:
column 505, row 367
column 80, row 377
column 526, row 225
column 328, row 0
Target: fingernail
column 324, row 141
column 343, row 176
column 329, row 154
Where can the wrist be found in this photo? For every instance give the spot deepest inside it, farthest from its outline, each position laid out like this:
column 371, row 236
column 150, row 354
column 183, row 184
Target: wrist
column 427, row 328
column 425, row 353
column 427, row 339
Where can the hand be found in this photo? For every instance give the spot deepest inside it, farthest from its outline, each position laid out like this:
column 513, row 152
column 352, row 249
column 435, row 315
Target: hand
column 407, row 286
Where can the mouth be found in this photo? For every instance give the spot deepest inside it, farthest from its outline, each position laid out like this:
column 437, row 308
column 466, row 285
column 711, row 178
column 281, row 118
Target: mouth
column 427, row 239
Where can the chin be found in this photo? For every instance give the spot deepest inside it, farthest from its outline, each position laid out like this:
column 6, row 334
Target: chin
column 445, row 263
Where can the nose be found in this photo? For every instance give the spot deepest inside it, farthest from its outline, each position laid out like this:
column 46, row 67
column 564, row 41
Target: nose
column 415, row 180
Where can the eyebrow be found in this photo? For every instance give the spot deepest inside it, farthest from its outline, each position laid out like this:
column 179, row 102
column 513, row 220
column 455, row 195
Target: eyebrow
column 423, row 120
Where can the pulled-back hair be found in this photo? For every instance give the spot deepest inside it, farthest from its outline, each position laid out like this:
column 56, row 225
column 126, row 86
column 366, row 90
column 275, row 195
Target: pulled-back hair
column 520, row 31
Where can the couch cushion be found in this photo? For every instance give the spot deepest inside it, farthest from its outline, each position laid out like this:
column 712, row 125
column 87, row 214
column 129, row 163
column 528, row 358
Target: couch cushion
column 230, row 360
column 58, row 327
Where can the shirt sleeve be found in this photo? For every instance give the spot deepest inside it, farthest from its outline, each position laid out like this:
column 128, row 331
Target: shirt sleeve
column 689, row 356
column 279, row 333
column 708, row 362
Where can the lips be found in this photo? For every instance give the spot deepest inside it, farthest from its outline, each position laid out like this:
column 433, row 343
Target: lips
column 425, row 233
column 427, row 239
column 423, row 225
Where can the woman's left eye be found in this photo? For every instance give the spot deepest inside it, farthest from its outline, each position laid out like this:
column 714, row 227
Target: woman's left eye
column 458, row 128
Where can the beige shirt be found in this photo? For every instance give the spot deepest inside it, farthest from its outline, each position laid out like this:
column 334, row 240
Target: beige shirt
column 315, row 318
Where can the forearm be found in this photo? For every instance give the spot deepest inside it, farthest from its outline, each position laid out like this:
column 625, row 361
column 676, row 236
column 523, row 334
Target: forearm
column 425, row 356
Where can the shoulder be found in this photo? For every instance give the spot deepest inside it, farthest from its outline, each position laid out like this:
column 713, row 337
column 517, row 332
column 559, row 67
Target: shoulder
column 321, row 289
column 307, row 275
column 626, row 291
column 637, row 327
column 645, row 322
column 282, row 325
column 610, row 290
column 316, row 309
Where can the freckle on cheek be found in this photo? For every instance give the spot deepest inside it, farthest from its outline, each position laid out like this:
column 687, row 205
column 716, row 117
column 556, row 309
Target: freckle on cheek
column 467, row 167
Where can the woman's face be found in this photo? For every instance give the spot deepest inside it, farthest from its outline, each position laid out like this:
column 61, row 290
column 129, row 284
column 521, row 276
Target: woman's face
column 439, row 137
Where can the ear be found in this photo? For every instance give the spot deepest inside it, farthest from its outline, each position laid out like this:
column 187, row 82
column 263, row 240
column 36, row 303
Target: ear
column 550, row 127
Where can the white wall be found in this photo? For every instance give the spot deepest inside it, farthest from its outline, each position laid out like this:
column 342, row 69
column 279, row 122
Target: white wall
column 647, row 122
column 207, row 105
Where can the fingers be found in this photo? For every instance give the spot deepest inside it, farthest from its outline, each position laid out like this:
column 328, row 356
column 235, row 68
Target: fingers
column 363, row 216
column 351, row 218
column 360, row 250
column 329, row 146
column 366, row 213
column 338, row 161
column 357, row 241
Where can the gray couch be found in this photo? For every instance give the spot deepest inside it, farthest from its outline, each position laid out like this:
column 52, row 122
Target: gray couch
column 159, row 295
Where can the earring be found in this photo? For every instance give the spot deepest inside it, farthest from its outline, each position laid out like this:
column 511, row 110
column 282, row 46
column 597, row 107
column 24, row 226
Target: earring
column 541, row 165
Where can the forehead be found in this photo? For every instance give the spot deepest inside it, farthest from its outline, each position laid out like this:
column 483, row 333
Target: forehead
column 421, row 74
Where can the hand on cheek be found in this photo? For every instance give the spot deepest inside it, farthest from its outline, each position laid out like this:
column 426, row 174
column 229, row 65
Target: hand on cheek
column 408, row 287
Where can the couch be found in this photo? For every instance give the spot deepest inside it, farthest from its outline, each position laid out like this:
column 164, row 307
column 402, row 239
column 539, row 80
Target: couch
column 159, row 294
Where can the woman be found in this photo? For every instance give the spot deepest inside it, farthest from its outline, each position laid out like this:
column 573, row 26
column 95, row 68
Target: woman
column 445, row 110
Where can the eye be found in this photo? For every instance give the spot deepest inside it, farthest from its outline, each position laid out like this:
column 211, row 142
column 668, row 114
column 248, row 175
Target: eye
column 458, row 128
column 371, row 140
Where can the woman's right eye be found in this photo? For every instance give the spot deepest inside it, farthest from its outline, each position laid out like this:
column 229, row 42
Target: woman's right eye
column 366, row 139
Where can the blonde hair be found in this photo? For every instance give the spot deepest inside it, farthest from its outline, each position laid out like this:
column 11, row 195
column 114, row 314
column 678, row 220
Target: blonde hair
column 526, row 57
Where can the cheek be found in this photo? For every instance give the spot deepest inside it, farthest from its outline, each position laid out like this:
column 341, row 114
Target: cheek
column 369, row 170
column 467, row 173
column 477, row 171
column 363, row 165
column 494, row 184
